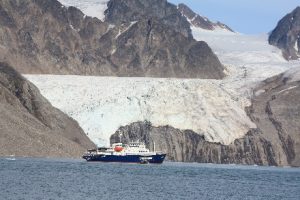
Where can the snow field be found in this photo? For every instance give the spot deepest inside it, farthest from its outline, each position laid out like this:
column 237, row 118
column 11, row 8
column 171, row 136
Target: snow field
column 94, row 8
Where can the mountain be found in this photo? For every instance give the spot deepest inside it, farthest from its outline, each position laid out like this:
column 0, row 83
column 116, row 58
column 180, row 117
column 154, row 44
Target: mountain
column 30, row 126
column 120, row 11
column 42, row 36
column 200, row 21
column 286, row 35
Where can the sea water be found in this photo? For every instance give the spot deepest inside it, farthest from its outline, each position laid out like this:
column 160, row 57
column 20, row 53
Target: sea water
column 40, row 179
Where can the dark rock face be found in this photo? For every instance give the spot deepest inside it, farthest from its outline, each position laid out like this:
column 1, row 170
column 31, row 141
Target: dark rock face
column 276, row 141
column 122, row 11
column 188, row 146
column 286, row 35
column 42, row 36
column 199, row 21
column 145, row 49
column 30, row 126
column 276, row 113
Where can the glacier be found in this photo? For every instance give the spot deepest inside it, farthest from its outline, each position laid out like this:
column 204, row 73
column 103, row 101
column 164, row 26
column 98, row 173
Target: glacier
column 102, row 104
column 213, row 108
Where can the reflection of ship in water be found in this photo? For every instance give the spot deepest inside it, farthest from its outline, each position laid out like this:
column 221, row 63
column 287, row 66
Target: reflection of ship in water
column 11, row 157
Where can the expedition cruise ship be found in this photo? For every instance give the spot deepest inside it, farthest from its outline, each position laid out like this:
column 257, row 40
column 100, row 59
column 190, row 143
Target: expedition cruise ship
column 134, row 152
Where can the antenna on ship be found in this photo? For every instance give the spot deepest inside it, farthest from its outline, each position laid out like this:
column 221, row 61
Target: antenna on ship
column 153, row 146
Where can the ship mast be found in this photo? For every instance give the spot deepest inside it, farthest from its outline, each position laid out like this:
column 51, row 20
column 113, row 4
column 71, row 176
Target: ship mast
column 120, row 137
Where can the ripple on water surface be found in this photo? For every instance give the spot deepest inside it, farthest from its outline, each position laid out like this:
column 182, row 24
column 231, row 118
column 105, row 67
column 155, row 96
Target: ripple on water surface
column 74, row 179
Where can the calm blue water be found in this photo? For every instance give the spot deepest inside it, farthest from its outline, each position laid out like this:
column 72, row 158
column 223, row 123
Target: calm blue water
column 75, row 179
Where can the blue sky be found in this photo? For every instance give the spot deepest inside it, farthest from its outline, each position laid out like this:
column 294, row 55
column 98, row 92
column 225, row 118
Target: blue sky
column 244, row 16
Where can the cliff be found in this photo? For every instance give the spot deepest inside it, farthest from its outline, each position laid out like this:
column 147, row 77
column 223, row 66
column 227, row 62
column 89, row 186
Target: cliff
column 286, row 35
column 188, row 146
column 30, row 126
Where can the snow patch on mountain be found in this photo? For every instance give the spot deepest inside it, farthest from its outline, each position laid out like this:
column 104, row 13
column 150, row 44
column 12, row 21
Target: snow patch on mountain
column 199, row 21
column 102, row 104
column 249, row 59
column 93, row 8
column 296, row 46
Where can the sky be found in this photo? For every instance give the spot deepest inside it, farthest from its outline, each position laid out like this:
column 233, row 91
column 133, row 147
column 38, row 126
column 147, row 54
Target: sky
column 244, row 16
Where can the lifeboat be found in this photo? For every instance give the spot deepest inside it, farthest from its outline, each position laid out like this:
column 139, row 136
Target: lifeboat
column 118, row 149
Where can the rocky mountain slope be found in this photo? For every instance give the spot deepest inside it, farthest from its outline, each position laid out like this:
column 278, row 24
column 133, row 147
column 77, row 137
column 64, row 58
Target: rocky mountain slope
column 275, row 110
column 200, row 21
column 30, row 126
column 42, row 36
column 120, row 11
column 286, row 35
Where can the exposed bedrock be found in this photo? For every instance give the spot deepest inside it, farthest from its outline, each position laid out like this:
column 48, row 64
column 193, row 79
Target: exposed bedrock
column 276, row 112
column 188, row 146
column 120, row 11
column 286, row 35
